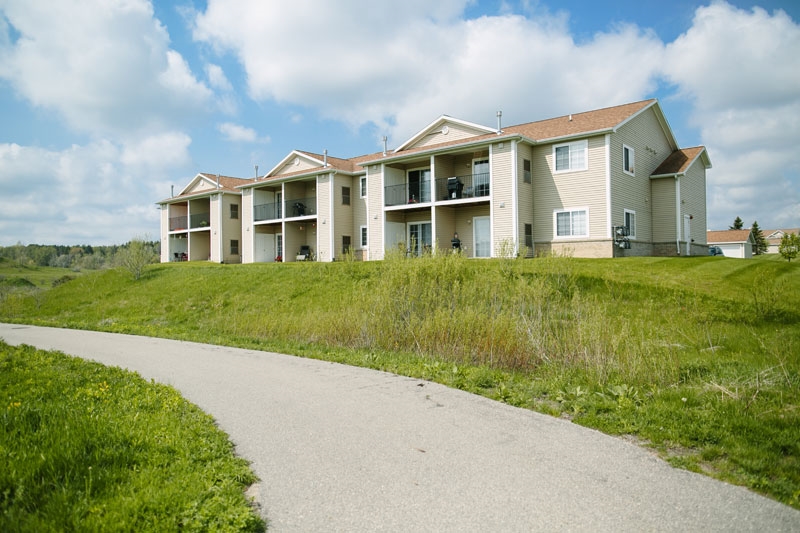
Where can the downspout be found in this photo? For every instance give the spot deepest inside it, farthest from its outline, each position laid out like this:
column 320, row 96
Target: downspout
column 678, row 218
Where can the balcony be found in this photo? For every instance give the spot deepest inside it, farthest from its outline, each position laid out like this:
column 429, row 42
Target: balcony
column 201, row 220
column 301, row 207
column 406, row 193
column 459, row 187
column 178, row 223
column 270, row 211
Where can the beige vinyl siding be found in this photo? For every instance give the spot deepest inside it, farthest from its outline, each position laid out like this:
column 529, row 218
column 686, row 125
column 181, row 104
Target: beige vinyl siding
column 524, row 195
column 231, row 228
column 246, row 214
column 693, row 200
column 567, row 190
column 359, row 212
column 200, row 186
column 375, row 211
column 455, row 132
column 343, row 214
column 502, row 192
column 650, row 147
column 291, row 167
column 444, row 228
column 165, row 252
column 216, row 231
column 662, row 192
column 324, row 246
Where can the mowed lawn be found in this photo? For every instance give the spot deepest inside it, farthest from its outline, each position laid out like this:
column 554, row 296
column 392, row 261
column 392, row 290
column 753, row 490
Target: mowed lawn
column 696, row 357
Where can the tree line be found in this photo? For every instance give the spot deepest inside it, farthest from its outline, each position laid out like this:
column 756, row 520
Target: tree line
column 76, row 257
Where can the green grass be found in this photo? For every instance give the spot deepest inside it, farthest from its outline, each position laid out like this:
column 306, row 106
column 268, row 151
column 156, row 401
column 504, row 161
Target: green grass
column 85, row 447
column 14, row 275
column 698, row 357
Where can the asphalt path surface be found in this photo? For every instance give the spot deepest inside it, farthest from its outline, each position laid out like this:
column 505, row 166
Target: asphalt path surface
column 339, row 448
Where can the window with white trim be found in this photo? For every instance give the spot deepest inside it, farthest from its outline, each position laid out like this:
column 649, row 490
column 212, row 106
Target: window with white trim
column 627, row 159
column 363, row 236
column 234, row 247
column 571, row 222
column 234, row 211
column 630, row 222
column 570, row 157
column 363, row 186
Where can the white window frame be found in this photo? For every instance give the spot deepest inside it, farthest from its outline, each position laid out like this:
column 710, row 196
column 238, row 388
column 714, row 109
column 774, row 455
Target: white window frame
column 232, row 206
column 574, row 145
column 631, row 168
column 631, row 231
column 526, row 174
column 363, row 236
column 363, row 186
column 572, row 235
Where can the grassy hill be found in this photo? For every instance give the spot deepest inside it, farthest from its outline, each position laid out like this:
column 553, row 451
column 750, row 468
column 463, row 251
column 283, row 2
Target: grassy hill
column 698, row 358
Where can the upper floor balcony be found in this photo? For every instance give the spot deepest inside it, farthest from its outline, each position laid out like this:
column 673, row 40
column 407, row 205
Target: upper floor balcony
column 296, row 207
column 446, row 189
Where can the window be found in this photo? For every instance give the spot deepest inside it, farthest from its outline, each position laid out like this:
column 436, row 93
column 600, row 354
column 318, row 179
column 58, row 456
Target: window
column 526, row 170
column 630, row 222
column 529, row 235
column 363, row 236
column 234, row 211
column 363, row 186
column 345, row 244
column 570, row 156
column 345, row 195
column 627, row 159
column 572, row 223
column 234, row 247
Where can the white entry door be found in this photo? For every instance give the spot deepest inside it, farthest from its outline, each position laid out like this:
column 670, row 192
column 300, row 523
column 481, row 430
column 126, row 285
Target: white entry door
column 687, row 233
column 482, row 236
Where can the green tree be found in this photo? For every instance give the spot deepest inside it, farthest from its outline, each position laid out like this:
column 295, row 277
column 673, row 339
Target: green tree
column 737, row 224
column 136, row 255
column 760, row 245
column 790, row 246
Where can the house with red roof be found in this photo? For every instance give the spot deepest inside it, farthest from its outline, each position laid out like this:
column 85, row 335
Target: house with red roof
column 611, row 182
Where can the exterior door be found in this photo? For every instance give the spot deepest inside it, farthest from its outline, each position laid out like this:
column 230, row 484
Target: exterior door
column 420, row 238
column 480, row 176
column 687, row 233
column 482, row 236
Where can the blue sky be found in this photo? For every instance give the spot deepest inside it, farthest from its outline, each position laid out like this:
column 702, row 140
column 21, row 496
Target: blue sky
column 101, row 115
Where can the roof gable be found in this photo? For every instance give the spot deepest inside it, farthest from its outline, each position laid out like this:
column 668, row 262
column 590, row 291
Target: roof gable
column 679, row 161
column 729, row 236
column 444, row 129
column 296, row 161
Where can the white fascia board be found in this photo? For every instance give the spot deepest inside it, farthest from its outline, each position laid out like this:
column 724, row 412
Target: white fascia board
column 437, row 123
column 293, row 154
column 574, row 136
column 450, row 148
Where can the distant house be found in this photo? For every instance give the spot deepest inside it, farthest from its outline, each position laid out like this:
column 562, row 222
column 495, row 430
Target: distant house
column 203, row 222
column 611, row 182
column 774, row 236
column 737, row 243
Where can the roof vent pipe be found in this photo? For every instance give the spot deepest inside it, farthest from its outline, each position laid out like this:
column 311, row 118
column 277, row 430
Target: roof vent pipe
column 217, row 181
column 256, row 178
column 384, row 145
column 172, row 191
column 499, row 122
column 570, row 117
column 325, row 158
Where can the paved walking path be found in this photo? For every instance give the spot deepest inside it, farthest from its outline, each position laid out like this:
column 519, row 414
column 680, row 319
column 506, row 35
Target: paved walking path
column 348, row 449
